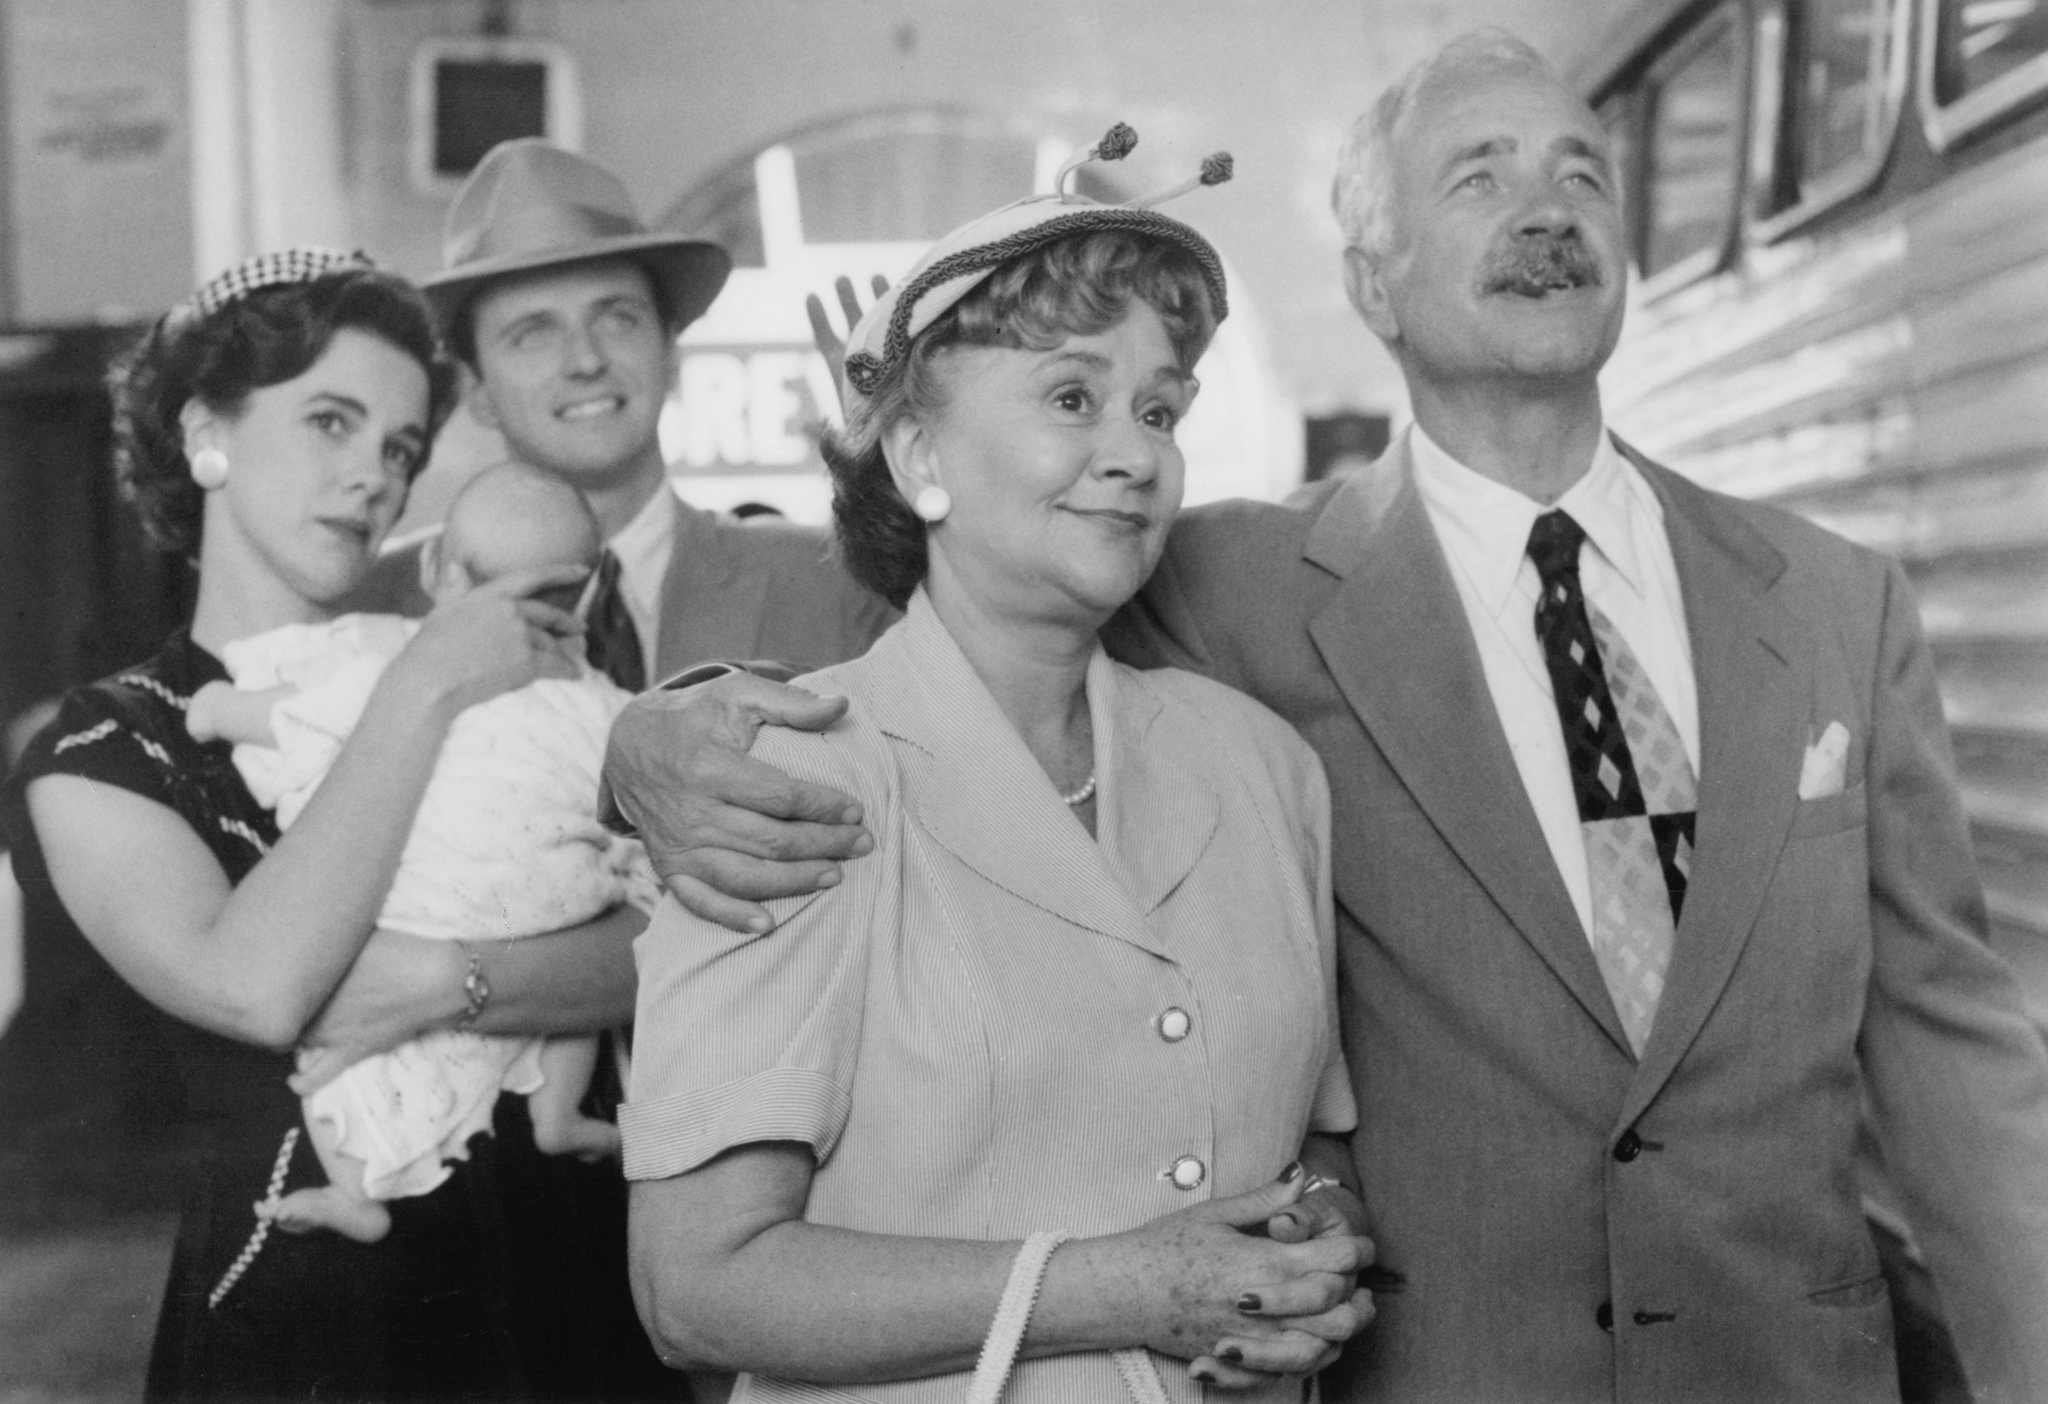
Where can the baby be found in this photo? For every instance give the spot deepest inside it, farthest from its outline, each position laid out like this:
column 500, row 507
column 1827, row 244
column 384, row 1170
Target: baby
column 504, row 845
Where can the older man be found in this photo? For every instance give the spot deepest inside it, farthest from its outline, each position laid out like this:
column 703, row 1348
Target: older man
column 1650, row 866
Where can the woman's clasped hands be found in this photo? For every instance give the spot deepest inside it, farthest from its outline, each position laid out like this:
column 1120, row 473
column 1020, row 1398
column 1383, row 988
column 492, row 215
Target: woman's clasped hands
column 1216, row 1285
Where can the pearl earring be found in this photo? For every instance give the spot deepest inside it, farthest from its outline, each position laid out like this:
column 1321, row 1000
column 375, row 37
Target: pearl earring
column 209, row 468
column 932, row 503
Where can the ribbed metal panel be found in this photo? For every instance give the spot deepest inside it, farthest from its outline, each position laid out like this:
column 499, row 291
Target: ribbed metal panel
column 1890, row 381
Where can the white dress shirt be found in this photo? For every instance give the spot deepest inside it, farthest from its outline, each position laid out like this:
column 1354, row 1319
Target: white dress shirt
column 643, row 546
column 1628, row 575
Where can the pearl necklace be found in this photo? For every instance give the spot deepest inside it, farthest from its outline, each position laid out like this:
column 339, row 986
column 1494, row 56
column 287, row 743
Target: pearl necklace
column 1082, row 795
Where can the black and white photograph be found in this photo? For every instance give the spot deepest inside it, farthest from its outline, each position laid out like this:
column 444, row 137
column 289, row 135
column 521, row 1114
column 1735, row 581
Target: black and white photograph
column 978, row 702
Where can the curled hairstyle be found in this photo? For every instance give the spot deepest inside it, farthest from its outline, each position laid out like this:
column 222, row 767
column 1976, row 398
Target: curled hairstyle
column 1363, row 188
column 262, row 338
column 1077, row 286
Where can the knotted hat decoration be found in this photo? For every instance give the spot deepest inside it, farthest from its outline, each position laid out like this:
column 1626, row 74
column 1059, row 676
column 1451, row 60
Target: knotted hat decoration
column 964, row 259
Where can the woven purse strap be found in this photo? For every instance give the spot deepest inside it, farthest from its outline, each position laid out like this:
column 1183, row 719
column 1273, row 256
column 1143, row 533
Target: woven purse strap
column 1013, row 1314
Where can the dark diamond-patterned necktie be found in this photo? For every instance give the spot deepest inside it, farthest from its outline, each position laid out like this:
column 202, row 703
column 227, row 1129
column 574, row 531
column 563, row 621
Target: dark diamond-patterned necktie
column 610, row 641
column 1631, row 776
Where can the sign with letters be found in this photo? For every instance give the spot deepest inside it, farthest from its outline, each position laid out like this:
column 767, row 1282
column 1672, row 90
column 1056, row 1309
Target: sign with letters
column 750, row 409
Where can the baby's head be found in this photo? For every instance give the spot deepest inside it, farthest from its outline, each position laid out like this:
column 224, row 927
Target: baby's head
column 512, row 516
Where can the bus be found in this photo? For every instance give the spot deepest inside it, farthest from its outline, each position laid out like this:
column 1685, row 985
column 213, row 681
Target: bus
column 1838, row 222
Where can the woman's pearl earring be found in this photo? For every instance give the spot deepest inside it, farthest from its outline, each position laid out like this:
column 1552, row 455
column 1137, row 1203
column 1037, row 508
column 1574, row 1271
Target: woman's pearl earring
column 209, row 468
column 932, row 503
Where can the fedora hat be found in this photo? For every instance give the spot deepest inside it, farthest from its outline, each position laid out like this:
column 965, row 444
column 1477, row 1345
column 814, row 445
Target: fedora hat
column 529, row 204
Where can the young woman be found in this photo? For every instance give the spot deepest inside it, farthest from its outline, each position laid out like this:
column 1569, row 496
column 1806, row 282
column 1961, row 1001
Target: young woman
column 269, row 429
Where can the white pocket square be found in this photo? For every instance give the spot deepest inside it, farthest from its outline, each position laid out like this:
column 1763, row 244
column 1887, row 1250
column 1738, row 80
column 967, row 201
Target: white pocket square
column 1822, row 772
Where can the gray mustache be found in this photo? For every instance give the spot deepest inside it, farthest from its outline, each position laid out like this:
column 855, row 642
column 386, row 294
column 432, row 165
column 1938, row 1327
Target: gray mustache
column 1537, row 263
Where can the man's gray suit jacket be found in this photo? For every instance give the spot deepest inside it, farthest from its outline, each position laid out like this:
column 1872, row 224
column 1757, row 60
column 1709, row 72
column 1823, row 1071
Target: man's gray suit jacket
column 1574, row 1223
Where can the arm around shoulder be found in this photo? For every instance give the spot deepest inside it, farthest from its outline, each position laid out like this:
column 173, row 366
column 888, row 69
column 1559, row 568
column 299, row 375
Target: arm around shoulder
column 725, row 830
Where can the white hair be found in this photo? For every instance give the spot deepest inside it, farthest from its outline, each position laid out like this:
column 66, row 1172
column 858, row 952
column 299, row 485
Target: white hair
column 1362, row 191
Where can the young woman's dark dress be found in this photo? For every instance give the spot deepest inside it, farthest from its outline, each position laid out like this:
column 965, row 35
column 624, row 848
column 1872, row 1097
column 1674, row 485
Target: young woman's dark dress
column 506, row 1283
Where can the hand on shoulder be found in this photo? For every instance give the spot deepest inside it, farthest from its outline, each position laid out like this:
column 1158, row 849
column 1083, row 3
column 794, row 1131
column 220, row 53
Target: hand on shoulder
column 724, row 830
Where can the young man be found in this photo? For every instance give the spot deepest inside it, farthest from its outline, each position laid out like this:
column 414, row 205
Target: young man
column 1650, row 866
column 564, row 311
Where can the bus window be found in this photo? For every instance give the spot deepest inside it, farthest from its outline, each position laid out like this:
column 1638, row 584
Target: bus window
column 1692, row 151
column 1981, row 41
column 1982, row 57
column 1832, row 73
column 1839, row 89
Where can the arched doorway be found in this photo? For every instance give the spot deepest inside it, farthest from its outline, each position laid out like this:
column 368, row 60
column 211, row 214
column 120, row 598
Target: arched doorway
column 861, row 197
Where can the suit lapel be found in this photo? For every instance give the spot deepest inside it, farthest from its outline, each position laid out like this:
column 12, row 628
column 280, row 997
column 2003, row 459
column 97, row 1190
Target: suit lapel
column 1752, row 661
column 1396, row 640
column 979, row 793
column 710, row 606
column 1156, row 814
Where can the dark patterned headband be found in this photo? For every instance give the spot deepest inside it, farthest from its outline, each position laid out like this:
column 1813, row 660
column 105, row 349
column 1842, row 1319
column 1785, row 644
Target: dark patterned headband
column 266, row 270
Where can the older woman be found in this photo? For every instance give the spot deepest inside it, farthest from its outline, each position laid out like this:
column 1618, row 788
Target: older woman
column 270, row 429
column 1084, row 986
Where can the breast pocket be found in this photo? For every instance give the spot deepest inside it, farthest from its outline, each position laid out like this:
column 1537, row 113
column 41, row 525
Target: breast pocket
column 1831, row 814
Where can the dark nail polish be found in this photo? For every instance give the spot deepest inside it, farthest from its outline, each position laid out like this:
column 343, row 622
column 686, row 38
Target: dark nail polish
column 1291, row 1173
column 1382, row 1279
column 1232, row 1354
column 1201, row 1375
column 1250, row 1301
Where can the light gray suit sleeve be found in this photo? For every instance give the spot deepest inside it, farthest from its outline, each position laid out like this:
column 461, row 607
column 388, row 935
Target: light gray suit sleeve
column 1957, row 1072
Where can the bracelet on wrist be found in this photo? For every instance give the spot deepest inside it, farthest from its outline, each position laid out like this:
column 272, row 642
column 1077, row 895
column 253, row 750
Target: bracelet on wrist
column 476, row 990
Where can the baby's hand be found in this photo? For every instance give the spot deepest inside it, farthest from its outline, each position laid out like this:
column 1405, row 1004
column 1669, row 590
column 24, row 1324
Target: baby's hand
column 204, row 715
